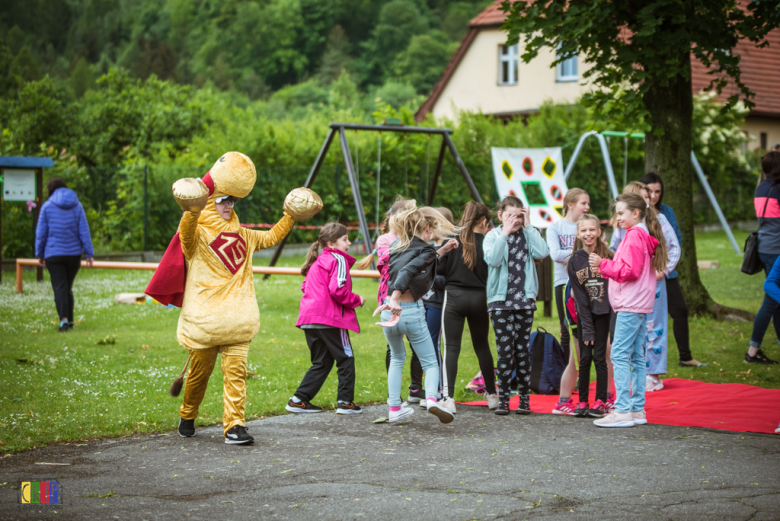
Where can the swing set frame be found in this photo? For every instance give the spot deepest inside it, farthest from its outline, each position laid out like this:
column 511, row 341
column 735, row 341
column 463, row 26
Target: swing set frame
column 600, row 137
column 341, row 130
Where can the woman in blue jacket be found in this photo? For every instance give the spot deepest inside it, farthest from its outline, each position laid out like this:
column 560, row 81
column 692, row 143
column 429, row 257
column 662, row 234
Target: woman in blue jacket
column 61, row 237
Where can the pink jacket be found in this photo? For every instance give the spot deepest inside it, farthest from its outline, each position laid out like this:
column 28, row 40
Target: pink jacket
column 327, row 292
column 383, row 243
column 633, row 273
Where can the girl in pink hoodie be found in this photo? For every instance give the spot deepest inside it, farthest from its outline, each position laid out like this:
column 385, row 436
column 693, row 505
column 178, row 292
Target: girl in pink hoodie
column 327, row 314
column 632, row 295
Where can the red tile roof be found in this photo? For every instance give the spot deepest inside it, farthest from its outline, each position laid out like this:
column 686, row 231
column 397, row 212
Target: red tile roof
column 760, row 67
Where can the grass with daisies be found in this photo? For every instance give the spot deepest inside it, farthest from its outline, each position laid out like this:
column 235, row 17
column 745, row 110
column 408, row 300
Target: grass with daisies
column 110, row 375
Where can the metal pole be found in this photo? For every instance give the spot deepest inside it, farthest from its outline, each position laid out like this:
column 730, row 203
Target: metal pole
column 309, row 181
column 576, row 153
column 714, row 202
column 462, row 168
column 146, row 208
column 392, row 128
column 625, row 162
column 608, row 165
column 437, row 173
column 38, row 204
column 355, row 190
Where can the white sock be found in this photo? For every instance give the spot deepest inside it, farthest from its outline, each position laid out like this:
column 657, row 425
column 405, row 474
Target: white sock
column 753, row 350
column 295, row 399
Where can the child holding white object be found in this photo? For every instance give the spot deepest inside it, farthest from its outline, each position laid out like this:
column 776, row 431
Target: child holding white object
column 560, row 240
column 412, row 271
column 631, row 295
column 657, row 337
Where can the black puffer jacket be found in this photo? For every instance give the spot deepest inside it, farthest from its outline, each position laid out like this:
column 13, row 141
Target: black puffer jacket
column 412, row 269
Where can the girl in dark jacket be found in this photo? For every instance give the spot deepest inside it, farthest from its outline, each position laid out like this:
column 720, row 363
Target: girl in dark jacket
column 60, row 238
column 465, row 298
column 412, row 269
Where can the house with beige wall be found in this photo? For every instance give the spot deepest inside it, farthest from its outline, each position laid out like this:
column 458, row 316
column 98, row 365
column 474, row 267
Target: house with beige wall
column 487, row 75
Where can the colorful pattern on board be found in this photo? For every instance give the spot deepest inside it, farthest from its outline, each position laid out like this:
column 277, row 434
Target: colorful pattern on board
column 40, row 493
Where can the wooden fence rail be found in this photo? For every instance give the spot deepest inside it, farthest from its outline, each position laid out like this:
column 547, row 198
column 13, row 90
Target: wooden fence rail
column 151, row 266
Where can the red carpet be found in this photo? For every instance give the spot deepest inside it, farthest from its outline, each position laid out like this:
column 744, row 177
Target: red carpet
column 690, row 403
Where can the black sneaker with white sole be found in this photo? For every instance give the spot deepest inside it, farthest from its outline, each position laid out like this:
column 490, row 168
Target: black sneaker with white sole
column 524, row 407
column 302, row 406
column 416, row 396
column 238, row 436
column 502, row 409
column 348, row 408
column 186, row 428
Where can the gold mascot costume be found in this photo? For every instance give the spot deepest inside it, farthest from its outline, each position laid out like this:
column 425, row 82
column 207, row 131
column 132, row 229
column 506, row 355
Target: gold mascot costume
column 219, row 312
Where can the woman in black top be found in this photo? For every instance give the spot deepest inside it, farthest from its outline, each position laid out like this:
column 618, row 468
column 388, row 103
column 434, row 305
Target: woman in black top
column 465, row 298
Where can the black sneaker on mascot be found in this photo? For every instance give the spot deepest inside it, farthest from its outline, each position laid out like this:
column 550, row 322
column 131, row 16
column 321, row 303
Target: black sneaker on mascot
column 238, row 436
column 186, row 428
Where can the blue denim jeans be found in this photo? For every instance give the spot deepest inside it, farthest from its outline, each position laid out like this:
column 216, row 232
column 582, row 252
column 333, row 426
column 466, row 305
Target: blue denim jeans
column 628, row 361
column 770, row 310
column 412, row 324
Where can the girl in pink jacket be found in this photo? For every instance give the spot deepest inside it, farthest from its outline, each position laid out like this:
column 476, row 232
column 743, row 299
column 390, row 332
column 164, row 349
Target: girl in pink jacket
column 632, row 295
column 327, row 314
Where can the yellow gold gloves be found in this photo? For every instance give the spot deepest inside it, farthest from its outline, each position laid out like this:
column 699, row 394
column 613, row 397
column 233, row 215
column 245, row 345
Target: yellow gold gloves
column 302, row 204
column 191, row 194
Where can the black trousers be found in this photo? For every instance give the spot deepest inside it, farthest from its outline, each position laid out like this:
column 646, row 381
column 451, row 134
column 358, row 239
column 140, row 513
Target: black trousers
column 326, row 346
column 678, row 310
column 597, row 353
column 560, row 292
column 513, row 336
column 461, row 305
column 415, row 369
column 63, row 270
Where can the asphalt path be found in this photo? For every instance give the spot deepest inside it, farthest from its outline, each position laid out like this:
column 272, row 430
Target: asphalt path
column 481, row 466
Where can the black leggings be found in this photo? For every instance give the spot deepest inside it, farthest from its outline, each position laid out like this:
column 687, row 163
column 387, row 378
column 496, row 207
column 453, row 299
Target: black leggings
column 598, row 354
column 461, row 305
column 513, row 336
column 678, row 310
column 63, row 270
column 560, row 291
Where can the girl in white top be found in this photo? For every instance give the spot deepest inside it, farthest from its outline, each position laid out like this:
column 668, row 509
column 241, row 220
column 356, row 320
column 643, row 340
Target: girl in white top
column 560, row 240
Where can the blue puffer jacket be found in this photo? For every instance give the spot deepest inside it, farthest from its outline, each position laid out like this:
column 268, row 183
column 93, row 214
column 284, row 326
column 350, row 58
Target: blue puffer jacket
column 62, row 227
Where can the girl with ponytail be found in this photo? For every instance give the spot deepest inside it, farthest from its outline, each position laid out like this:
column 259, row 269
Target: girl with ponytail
column 327, row 314
column 465, row 298
column 631, row 293
column 657, row 338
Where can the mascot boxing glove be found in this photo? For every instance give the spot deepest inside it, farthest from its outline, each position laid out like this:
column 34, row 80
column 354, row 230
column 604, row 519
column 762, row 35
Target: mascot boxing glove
column 191, row 194
column 302, row 204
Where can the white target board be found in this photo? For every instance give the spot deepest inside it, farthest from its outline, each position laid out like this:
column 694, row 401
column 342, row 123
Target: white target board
column 535, row 175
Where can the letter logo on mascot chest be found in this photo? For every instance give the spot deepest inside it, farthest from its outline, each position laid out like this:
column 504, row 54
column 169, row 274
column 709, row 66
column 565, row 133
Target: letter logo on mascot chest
column 230, row 247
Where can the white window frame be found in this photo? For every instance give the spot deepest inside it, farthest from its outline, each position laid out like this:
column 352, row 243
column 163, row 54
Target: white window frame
column 562, row 73
column 508, row 54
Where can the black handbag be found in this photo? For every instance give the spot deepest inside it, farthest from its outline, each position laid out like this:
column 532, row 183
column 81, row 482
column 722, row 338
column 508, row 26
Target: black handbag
column 751, row 262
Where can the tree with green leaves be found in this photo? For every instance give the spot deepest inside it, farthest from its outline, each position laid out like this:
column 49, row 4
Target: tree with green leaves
column 644, row 48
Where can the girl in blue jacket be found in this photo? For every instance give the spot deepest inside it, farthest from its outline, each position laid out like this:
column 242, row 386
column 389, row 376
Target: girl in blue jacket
column 512, row 286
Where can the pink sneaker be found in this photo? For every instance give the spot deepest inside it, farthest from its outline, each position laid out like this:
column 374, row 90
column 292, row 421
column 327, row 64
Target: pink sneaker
column 616, row 419
column 610, row 402
column 582, row 409
column 640, row 418
column 599, row 410
column 566, row 408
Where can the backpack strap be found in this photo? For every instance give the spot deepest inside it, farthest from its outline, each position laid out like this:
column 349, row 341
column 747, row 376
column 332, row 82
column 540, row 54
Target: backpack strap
column 538, row 354
column 763, row 213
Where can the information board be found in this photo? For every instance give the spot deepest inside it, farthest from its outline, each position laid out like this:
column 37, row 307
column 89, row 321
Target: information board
column 18, row 184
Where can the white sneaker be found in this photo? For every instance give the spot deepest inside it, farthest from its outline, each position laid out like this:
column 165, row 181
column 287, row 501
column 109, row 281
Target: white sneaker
column 404, row 412
column 653, row 383
column 616, row 419
column 492, row 400
column 424, row 404
column 640, row 418
column 440, row 412
column 449, row 404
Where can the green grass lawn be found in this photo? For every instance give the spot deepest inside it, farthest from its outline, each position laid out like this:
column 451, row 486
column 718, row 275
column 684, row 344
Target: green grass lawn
column 60, row 387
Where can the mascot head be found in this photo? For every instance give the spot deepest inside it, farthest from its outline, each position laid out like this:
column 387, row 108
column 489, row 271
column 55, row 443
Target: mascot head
column 232, row 174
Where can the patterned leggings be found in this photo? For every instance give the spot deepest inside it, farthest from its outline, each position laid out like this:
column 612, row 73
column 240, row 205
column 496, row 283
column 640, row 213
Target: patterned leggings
column 513, row 332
